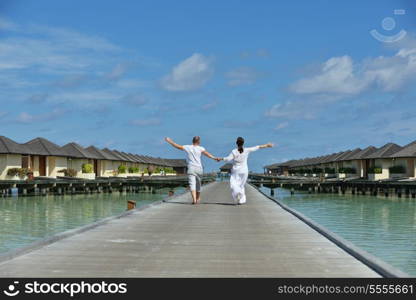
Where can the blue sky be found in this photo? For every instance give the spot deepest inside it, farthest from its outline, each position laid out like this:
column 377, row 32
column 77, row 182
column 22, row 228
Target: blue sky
column 306, row 75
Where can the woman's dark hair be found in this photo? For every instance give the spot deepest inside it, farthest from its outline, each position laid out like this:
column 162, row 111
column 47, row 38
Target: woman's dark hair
column 240, row 143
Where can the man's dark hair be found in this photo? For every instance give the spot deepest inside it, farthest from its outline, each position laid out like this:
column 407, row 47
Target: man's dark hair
column 196, row 139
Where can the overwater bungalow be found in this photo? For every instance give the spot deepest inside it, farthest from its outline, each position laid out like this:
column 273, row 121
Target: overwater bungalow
column 403, row 162
column 345, row 166
column 46, row 158
column 40, row 157
column 226, row 168
column 179, row 166
column 13, row 156
column 282, row 168
column 357, row 162
column 380, row 161
column 86, row 164
column 117, row 162
column 136, row 167
column 390, row 161
column 126, row 161
column 105, row 167
column 329, row 165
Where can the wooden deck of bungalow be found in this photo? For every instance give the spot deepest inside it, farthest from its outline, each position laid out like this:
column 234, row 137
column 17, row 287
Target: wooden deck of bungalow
column 176, row 239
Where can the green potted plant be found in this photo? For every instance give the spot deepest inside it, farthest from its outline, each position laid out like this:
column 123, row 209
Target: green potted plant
column 69, row 172
column 87, row 171
column 375, row 173
column 122, row 170
column 17, row 173
column 397, row 171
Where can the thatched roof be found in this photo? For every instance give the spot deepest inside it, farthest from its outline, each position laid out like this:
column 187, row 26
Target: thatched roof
column 386, row 151
column 113, row 154
column 341, row 155
column 176, row 163
column 8, row 146
column 350, row 154
column 138, row 158
column 331, row 157
column 226, row 167
column 41, row 146
column 77, row 151
column 363, row 153
column 129, row 156
column 99, row 153
column 407, row 151
column 123, row 157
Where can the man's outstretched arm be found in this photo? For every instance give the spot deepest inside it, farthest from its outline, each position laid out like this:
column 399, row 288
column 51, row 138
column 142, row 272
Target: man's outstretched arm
column 207, row 154
column 170, row 141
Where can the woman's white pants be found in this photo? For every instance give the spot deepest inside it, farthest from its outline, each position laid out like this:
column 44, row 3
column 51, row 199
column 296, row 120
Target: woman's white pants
column 237, row 182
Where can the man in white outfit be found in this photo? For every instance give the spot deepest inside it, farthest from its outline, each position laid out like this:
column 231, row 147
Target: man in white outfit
column 195, row 169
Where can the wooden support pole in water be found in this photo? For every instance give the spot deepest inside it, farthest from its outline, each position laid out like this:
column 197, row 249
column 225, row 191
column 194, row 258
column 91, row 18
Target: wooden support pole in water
column 131, row 204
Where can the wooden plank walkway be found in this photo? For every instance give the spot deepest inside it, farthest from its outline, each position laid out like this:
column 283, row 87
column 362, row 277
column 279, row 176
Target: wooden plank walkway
column 213, row 239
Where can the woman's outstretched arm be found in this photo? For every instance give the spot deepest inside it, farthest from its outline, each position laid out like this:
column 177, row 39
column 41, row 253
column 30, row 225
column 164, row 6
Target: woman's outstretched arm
column 170, row 141
column 230, row 157
column 268, row 145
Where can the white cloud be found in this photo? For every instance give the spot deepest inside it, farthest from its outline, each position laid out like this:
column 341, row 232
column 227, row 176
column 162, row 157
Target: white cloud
column 28, row 118
column 281, row 125
column 242, row 76
column 7, row 25
column 132, row 83
column 146, row 122
column 37, row 98
column 305, row 110
column 135, row 99
column 335, row 76
column 340, row 75
column 118, row 71
column 210, row 105
column 190, row 74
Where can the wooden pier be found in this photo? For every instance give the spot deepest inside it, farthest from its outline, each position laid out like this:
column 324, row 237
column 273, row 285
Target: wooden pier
column 61, row 186
column 177, row 239
column 386, row 188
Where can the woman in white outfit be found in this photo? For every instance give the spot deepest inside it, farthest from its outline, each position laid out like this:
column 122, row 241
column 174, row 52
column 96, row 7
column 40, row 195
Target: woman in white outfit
column 239, row 171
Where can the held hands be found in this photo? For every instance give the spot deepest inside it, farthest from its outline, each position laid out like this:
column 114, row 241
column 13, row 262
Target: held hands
column 168, row 139
column 269, row 145
column 218, row 159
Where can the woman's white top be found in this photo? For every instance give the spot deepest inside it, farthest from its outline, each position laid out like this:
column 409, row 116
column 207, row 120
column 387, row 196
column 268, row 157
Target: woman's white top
column 238, row 159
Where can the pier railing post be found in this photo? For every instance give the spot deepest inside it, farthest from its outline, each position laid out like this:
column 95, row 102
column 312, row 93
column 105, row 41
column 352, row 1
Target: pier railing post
column 131, row 204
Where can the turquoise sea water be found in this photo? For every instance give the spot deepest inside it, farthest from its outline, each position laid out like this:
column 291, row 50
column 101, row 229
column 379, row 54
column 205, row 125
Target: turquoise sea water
column 24, row 220
column 384, row 227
